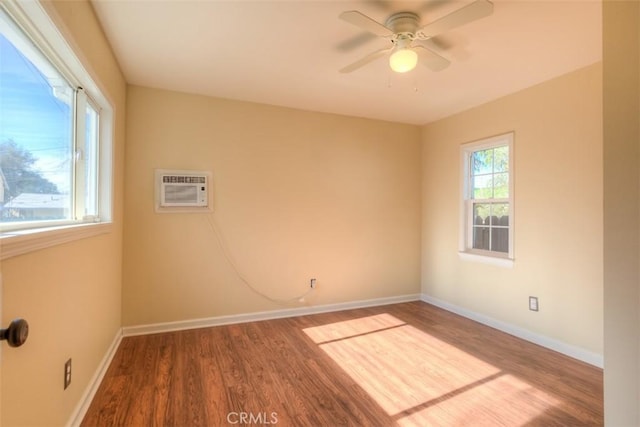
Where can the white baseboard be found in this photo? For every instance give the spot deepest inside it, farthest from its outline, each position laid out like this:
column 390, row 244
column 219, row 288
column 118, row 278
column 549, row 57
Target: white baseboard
column 128, row 331
column 550, row 343
column 559, row 346
column 83, row 405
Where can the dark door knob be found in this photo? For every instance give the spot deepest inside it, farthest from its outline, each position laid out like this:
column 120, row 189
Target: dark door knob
column 16, row 334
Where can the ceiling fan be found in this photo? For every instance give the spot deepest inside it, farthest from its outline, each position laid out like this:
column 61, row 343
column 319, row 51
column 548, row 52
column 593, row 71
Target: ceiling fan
column 402, row 29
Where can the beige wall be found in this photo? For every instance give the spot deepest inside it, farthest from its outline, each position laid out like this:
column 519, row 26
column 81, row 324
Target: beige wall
column 558, row 210
column 297, row 195
column 621, row 58
column 70, row 294
column 301, row 195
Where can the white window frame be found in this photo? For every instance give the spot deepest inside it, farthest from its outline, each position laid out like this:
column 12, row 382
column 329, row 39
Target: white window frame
column 466, row 250
column 34, row 20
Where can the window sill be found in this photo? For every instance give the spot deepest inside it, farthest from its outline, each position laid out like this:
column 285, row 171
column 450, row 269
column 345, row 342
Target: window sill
column 14, row 243
column 485, row 259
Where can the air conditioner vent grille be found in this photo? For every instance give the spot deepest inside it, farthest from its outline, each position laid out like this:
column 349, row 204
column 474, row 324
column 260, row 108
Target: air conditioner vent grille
column 177, row 190
column 181, row 179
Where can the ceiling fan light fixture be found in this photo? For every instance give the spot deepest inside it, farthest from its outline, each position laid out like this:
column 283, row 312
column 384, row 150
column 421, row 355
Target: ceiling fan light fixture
column 403, row 60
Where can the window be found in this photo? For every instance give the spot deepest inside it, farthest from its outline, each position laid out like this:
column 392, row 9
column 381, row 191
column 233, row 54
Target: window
column 55, row 136
column 52, row 141
column 487, row 211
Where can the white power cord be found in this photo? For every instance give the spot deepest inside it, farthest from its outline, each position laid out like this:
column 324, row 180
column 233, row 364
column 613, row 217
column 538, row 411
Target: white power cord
column 229, row 258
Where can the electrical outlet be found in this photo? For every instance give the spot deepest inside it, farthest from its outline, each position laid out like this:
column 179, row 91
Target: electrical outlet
column 312, row 283
column 67, row 374
column 533, row 303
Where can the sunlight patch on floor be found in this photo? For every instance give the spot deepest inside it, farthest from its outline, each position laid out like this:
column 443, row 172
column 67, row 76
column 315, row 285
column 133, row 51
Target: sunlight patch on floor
column 503, row 397
column 352, row 328
column 419, row 379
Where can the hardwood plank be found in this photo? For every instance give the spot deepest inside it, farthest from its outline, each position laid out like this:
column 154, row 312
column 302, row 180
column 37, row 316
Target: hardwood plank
column 404, row 364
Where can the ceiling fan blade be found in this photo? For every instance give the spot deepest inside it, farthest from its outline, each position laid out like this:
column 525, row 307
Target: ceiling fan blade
column 476, row 10
column 437, row 43
column 363, row 21
column 355, row 42
column 367, row 59
column 431, row 59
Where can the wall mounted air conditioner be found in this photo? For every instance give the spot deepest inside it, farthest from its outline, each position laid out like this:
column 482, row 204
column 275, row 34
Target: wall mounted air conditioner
column 180, row 189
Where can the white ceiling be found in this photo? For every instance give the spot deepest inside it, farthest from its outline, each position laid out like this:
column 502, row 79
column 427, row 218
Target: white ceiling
column 288, row 53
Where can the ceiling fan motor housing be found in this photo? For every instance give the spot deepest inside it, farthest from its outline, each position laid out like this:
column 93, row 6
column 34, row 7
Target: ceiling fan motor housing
column 403, row 24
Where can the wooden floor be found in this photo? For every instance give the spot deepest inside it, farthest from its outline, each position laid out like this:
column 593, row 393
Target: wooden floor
column 403, row 364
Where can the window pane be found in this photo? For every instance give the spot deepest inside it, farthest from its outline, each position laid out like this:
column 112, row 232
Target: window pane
column 483, row 187
column 500, row 227
column 481, row 238
column 501, row 159
column 500, row 239
column 482, row 162
column 481, row 213
column 35, row 134
column 501, row 185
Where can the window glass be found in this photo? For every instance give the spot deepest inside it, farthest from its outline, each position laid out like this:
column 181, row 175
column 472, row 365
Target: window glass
column 36, row 135
column 501, row 185
column 490, row 173
column 501, row 159
column 488, row 219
